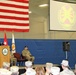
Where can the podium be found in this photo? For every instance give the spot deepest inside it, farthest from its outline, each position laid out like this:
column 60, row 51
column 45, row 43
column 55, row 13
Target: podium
column 4, row 54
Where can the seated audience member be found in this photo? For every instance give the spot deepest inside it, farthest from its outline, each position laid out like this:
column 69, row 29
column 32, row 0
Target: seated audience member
column 14, row 70
column 30, row 72
column 40, row 70
column 13, row 60
column 55, row 71
column 48, row 67
column 60, row 68
column 75, row 70
column 66, row 70
column 29, row 69
column 4, row 72
column 6, row 65
column 27, row 55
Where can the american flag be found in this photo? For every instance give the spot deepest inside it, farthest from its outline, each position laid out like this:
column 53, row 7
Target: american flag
column 14, row 15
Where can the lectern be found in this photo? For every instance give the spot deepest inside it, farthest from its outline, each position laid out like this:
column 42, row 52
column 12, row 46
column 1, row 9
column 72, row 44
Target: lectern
column 4, row 54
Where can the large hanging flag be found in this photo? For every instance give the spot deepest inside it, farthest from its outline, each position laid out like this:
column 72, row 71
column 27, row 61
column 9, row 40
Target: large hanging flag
column 14, row 15
column 5, row 39
column 13, row 44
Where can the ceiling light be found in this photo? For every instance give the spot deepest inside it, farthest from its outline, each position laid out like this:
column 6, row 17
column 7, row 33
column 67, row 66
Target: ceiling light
column 43, row 5
column 30, row 12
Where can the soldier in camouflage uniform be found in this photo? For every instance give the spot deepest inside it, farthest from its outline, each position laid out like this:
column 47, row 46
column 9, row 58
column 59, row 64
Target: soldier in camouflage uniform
column 26, row 53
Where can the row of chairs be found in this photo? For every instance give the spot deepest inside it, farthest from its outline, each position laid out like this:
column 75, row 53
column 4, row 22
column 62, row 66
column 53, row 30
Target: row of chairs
column 20, row 58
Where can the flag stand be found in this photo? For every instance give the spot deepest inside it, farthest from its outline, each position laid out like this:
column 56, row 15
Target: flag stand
column 66, row 55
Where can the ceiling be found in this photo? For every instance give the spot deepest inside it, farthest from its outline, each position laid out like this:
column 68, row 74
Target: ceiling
column 36, row 10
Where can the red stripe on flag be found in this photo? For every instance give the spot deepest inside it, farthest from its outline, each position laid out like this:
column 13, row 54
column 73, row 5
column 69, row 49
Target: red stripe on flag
column 14, row 18
column 16, row 30
column 12, row 5
column 13, row 11
column 23, row 1
column 14, row 24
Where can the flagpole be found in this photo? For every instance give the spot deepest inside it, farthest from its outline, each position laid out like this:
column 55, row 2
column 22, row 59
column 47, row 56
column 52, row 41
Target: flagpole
column 5, row 39
column 13, row 43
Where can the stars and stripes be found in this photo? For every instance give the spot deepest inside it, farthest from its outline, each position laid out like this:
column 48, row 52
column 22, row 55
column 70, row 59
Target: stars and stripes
column 14, row 15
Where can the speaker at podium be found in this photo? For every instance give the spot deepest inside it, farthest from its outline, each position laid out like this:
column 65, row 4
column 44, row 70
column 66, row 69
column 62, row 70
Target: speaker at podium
column 4, row 54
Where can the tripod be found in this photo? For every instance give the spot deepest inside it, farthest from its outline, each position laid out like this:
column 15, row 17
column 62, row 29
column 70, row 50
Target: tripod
column 66, row 55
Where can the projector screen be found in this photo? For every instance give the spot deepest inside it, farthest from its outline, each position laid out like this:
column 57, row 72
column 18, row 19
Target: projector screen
column 62, row 15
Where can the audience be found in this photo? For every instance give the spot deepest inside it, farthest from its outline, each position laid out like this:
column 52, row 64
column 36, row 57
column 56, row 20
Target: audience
column 48, row 67
column 66, row 70
column 55, row 71
column 40, row 70
column 14, row 70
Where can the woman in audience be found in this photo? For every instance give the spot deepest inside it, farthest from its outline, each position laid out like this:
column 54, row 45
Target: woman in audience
column 40, row 70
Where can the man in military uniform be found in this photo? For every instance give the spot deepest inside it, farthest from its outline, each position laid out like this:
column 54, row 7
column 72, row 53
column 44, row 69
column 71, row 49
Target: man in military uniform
column 13, row 60
column 29, row 69
column 27, row 55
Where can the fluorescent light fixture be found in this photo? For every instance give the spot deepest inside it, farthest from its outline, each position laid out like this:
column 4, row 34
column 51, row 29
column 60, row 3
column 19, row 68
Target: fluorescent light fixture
column 43, row 5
